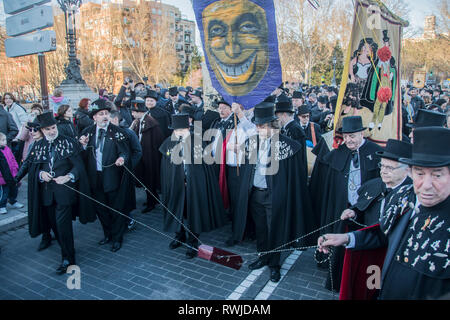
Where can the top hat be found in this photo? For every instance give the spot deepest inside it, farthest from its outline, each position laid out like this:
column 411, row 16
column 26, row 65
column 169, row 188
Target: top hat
column 34, row 124
column 270, row 99
column 429, row 149
column 427, row 118
column 173, row 91
column 352, row 124
column 46, row 119
column 196, row 93
column 99, row 105
column 180, row 121
column 297, row 95
column 283, row 105
column 303, row 109
column 189, row 89
column 152, row 94
column 138, row 105
column 396, row 149
column 264, row 112
column 222, row 101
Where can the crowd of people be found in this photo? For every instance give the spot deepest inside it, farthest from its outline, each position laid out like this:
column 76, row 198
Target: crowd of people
column 211, row 165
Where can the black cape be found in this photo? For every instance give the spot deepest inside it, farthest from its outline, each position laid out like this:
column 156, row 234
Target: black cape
column 291, row 206
column 83, row 208
column 198, row 187
column 334, row 194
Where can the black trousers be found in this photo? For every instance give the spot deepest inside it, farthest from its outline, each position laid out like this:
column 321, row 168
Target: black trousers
column 260, row 208
column 46, row 227
column 113, row 224
column 60, row 219
column 233, row 183
column 183, row 235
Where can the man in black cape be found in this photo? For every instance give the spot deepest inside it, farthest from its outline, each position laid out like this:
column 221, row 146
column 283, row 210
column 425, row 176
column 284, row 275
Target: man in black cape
column 57, row 162
column 106, row 152
column 151, row 137
column 190, row 192
column 272, row 190
column 158, row 113
column 347, row 168
column 414, row 227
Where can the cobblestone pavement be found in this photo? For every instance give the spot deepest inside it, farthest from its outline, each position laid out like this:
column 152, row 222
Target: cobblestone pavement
column 145, row 268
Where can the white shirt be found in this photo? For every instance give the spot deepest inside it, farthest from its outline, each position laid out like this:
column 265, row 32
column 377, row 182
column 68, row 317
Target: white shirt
column 98, row 154
column 245, row 129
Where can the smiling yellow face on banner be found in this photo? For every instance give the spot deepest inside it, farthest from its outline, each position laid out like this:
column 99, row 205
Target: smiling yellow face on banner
column 236, row 44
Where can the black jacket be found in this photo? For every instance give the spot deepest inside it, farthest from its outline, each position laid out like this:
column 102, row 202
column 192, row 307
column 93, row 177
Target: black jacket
column 82, row 120
column 7, row 125
column 66, row 128
column 115, row 146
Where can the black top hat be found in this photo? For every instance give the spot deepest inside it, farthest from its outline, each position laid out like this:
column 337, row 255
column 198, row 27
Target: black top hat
column 152, row 94
column 284, row 105
column 138, row 105
column 352, row 124
column 180, row 121
column 429, row 148
column 189, row 89
column 303, row 109
column 196, row 93
column 222, row 101
column 34, row 124
column 264, row 112
column 396, row 149
column 297, row 95
column 99, row 105
column 46, row 119
column 173, row 91
column 427, row 118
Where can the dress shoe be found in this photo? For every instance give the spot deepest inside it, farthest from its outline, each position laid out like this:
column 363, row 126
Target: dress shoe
column 63, row 267
column 258, row 264
column 176, row 243
column 104, row 241
column 45, row 243
column 275, row 275
column 116, row 246
column 231, row 242
column 191, row 253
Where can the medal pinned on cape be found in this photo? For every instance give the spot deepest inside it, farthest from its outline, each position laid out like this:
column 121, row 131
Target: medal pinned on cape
column 220, row 256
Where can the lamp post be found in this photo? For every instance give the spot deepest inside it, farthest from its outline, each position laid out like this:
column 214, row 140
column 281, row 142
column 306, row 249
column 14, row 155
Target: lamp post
column 73, row 73
column 333, row 82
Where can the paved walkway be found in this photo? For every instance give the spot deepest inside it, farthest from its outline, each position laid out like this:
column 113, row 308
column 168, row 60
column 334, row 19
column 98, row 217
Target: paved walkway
column 145, row 268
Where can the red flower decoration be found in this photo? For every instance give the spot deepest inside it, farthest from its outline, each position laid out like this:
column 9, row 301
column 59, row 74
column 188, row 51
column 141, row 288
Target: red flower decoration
column 384, row 54
column 384, row 94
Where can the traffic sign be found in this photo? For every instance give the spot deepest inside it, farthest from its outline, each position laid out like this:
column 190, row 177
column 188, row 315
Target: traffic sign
column 40, row 17
column 16, row 6
column 40, row 41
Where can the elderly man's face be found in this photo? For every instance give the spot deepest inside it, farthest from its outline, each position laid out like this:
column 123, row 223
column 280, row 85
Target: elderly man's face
column 101, row 118
column 353, row 140
column 51, row 132
column 431, row 185
column 392, row 172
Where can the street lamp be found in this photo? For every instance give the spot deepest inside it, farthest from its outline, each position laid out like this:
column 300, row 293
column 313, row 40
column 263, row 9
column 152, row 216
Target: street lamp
column 333, row 82
column 73, row 73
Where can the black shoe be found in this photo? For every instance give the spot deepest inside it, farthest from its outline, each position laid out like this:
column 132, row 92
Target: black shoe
column 63, row 267
column 176, row 243
column 258, row 264
column 45, row 243
column 231, row 242
column 191, row 253
column 104, row 241
column 275, row 275
column 116, row 246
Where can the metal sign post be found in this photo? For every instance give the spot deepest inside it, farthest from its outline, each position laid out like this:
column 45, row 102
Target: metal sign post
column 43, row 78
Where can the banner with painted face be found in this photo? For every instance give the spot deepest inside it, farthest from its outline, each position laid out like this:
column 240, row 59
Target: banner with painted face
column 240, row 43
column 370, row 85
